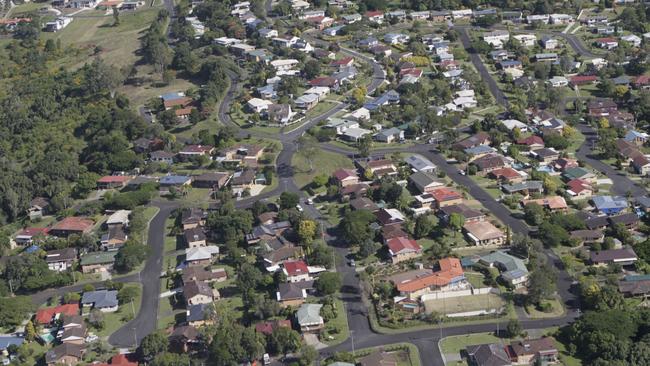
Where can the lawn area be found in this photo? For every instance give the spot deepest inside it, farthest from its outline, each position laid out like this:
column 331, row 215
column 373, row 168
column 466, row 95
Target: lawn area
column 556, row 310
column 407, row 353
column 337, row 328
column 126, row 312
column 455, row 344
column 475, row 279
column 565, row 358
column 323, row 162
column 464, row 304
column 320, row 108
column 149, row 213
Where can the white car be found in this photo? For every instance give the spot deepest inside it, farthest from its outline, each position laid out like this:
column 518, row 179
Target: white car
column 267, row 359
column 309, row 201
column 299, row 208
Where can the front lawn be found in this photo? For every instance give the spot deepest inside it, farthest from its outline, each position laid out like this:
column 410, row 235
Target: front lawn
column 323, row 162
column 336, row 330
column 126, row 312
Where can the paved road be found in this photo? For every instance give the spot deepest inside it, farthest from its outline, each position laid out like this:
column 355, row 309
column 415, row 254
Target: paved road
column 146, row 321
column 43, row 297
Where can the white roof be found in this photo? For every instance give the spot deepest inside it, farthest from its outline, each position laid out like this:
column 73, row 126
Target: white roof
column 284, row 62
column 465, row 93
column 307, row 98
column 356, row 132
column 631, row 37
column 257, row 102
column 464, row 100
column 119, row 217
column 201, row 253
column 320, row 90
column 360, row 113
column 513, row 123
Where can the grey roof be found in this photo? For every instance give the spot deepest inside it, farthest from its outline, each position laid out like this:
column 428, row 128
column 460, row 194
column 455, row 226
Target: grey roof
column 6, row 341
column 66, row 349
column 100, row 298
column 609, row 202
column 535, row 185
column 506, row 262
column 197, row 312
column 489, row 354
column 418, row 162
column 612, row 255
column 309, row 314
column 422, row 179
column 290, row 291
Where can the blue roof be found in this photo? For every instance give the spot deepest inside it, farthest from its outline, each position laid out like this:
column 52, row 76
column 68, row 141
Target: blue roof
column 174, row 179
column 171, row 96
column 631, row 135
column 387, row 97
column 510, row 62
column 6, row 341
column 480, row 149
column 31, row 249
column 100, row 299
column 609, row 202
column 637, row 278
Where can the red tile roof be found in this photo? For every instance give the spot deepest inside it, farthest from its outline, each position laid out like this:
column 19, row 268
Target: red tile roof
column 33, row 231
column 375, row 13
column 323, row 81
column 445, row 194
column 268, row 327
column 342, row 174
column 450, row 268
column 120, row 360
column 403, row 244
column 73, row 224
column 642, row 80
column 178, row 102
column 44, row 316
column 414, row 72
column 531, row 140
column 343, row 61
column 114, row 179
column 506, row 173
column 295, row 268
column 578, row 185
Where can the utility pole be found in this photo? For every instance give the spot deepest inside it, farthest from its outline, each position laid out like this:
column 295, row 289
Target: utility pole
column 132, row 309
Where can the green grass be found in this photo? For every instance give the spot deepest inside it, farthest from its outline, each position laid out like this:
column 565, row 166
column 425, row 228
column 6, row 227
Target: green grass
column 149, row 213
column 455, row 344
column 113, row 321
column 565, row 357
column 323, row 162
column 338, row 324
column 408, row 354
column 557, row 310
column 464, row 304
column 320, row 108
column 475, row 279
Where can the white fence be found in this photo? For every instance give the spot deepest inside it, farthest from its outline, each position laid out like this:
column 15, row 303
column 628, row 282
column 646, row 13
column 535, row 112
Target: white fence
column 459, row 293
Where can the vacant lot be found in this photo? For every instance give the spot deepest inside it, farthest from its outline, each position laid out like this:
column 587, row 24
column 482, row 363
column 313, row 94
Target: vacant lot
column 323, row 162
column 464, row 304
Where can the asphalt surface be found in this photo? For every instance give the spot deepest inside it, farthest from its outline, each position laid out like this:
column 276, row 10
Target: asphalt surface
column 146, row 321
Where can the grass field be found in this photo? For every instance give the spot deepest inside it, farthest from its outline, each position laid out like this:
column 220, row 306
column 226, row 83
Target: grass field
column 337, row 328
column 407, row 353
column 323, row 162
column 464, row 304
column 457, row 343
column 113, row 321
column 556, row 310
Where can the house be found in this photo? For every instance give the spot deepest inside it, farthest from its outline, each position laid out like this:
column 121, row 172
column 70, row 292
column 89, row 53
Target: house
column 425, row 182
column 113, row 181
column 75, row 334
column 201, row 274
column 244, row 154
column 513, row 270
column 175, row 181
column 634, row 285
column 526, row 40
column 201, row 256
column 164, row 157
column 280, row 113
column 72, row 225
column 446, row 197
column 30, row 234
column 533, row 142
column 558, row 81
column 480, row 138
column 461, row 14
column 268, row 327
column 381, row 167
column 420, row 164
column 192, row 217
column 396, row 38
column 38, row 207
column 506, row 175
column 579, row 80
column 196, row 292
column 551, row 203
column 588, row 236
column 546, row 57
column 375, row 16
column 524, row 188
column 364, row 203
column 642, row 82
column 102, row 300
column 603, row 107
column 545, row 155
column 291, row 294
column 389, row 97
column 483, row 233
column 624, row 257
column 284, row 64
column 8, row 340
column 60, row 260
column 195, row 237
column 610, row 205
column 636, row 137
column 496, row 38
column 469, row 214
column 355, row 134
column 345, row 177
column 66, row 354
column 96, row 262
column 190, row 151
column 578, row 172
column 267, row 232
column 511, row 124
column 390, row 135
column 351, row 18
column 488, row 163
column 606, row 43
column 306, row 101
column 448, row 277
column 184, row 338
column 390, row 216
column 46, row 315
column 641, row 165
column 533, row 351
column 368, row 42
column 296, row 271
column 278, row 255
column 579, row 188
column 403, row 249
column 379, row 358
column 257, row 105
column 199, row 315
column 309, row 319
column 325, row 81
column 213, row 180
column 320, row 22
column 492, row 354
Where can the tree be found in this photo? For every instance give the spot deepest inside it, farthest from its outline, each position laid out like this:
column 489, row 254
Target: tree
column 359, row 95
column 311, row 69
column 171, row 359
column 321, row 255
column 356, row 226
column 456, row 221
column 116, row 16
column 364, row 145
column 367, row 248
column 423, row 226
column 13, row 310
column 320, row 180
column 96, row 319
column 308, row 355
column 130, row 255
column 328, row 283
column 541, row 284
column 288, row 200
column 307, row 148
column 553, row 235
column 127, row 294
column 284, row 340
column 71, row 298
column 534, row 214
column 152, row 345
column 513, row 329
column 307, row 230
column 30, row 331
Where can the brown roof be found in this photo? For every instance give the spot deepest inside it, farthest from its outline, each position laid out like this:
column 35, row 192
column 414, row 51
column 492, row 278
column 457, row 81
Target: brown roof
column 193, row 288
column 489, row 162
column 541, row 346
column 379, row 358
column 363, row 203
column 483, row 230
column 74, row 224
column 201, row 274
